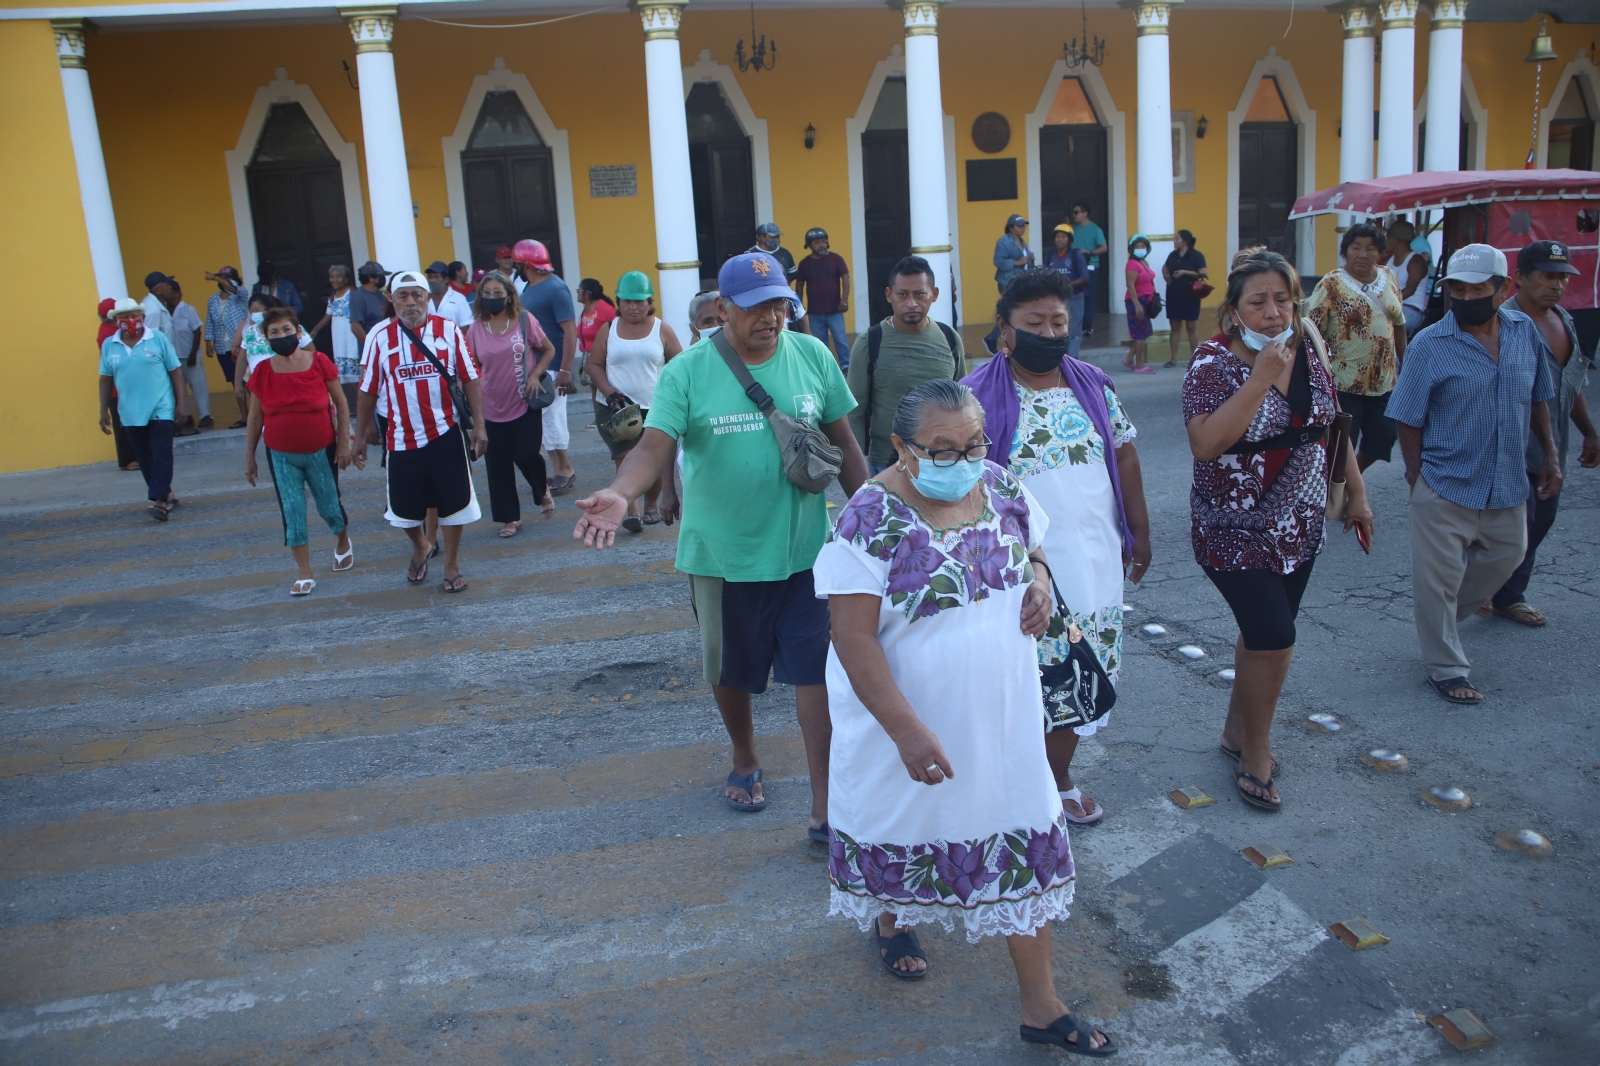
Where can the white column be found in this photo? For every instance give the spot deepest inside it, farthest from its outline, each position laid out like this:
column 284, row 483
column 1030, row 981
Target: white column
column 105, row 250
column 1442, row 149
column 394, row 225
column 671, row 184
column 1154, row 182
column 925, row 155
column 1396, row 101
column 1355, row 142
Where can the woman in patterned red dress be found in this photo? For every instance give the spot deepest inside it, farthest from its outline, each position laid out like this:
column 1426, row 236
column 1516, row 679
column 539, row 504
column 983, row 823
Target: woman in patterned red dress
column 1257, row 408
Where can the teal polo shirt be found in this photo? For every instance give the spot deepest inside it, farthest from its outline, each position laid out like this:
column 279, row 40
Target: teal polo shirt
column 141, row 375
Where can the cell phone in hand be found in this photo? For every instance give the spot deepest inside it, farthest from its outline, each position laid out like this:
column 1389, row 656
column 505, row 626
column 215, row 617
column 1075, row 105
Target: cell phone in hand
column 1361, row 538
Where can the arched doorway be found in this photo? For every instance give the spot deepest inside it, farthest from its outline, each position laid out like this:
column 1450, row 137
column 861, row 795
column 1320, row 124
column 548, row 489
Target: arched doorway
column 1268, row 170
column 297, row 204
column 724, row 186
column 1073, row 155
column 508, row 178
column 1571, row 141
column 886, row 191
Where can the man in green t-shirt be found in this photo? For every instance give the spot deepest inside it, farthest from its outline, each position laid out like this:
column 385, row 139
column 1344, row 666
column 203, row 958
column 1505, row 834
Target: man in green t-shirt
column 749, row 536
column 1090, row 239
column 911, row 348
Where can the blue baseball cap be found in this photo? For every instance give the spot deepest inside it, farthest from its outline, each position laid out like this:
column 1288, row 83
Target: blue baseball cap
column 754, row 278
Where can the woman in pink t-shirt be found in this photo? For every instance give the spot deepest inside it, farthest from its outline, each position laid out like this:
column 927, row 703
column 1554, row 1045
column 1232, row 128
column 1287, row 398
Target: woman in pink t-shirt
column 1141, row 291
column 512, row 354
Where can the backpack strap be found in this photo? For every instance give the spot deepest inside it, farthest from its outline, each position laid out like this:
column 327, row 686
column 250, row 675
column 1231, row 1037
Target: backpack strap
column 874, row 343
column 950, row 339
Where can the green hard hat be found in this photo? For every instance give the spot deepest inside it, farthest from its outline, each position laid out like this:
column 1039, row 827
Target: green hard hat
column 634, row 285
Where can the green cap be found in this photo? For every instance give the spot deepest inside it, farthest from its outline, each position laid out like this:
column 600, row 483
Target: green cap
column 634, row 285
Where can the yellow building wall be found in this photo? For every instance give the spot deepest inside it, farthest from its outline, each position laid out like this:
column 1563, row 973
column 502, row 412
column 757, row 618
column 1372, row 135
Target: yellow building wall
column 172, row 101
column 42, row 234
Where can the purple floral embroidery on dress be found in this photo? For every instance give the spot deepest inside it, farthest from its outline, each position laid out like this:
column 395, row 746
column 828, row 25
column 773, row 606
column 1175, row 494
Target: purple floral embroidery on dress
column 914, row 561
column 884, row 872
column 1006, row 867
column 934, row 570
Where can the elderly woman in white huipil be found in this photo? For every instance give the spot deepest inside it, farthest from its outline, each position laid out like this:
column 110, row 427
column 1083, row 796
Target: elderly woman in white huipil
column 941, row 800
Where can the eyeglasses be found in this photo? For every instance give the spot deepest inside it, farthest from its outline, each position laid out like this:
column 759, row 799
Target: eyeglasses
column 951, row 456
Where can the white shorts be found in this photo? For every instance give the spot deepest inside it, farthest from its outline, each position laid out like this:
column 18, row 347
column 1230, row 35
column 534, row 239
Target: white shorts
column 557, row 434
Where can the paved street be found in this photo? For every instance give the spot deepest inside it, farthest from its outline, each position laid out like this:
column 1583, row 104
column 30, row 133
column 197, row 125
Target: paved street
column 388, row 825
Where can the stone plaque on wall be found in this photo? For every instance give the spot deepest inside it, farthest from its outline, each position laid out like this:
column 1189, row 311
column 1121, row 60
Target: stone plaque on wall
column 613, row 181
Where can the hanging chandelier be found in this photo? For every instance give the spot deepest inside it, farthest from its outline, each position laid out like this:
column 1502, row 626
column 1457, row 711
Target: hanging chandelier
column 761, row 57
column 1092, row 53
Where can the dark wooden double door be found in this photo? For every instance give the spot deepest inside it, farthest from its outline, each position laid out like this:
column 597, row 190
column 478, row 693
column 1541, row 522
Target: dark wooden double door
column 886, row 200
column 511, row 195
column 1072, row 168
column 724, row 202
column 297, row 205
column 1268, row 174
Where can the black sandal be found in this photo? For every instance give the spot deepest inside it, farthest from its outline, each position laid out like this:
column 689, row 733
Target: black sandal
column 891, row 949
column 1255, row 801
column 1066, row 1026
column 1235, row 753
column 1449, row 685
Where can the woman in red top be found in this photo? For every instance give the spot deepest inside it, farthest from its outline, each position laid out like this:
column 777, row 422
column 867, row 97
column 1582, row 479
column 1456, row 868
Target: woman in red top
column 291, row 397
column 598, row 311
column 1141, row 294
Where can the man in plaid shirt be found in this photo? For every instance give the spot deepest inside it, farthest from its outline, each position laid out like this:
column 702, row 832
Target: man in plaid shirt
column 227, row 308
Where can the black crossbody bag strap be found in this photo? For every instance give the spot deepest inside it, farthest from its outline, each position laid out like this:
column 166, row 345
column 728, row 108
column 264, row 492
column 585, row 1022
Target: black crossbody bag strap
column 752, row 387
column 874, row 343
column 423, row 348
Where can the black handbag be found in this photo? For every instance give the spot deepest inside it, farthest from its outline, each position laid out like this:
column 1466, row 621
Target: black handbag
column 1077, row 690
column 458, row 395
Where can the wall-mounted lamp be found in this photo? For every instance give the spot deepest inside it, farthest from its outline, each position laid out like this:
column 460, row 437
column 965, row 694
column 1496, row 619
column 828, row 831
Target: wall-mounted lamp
column 1200, row 128
column 811, row 135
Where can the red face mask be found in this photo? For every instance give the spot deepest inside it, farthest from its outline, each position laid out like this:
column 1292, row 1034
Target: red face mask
column 131, row 326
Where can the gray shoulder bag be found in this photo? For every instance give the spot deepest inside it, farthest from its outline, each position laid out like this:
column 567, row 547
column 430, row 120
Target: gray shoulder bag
column 809, row 459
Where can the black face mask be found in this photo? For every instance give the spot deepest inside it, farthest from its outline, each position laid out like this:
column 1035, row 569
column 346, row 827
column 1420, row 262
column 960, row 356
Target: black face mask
column 284, row 345
column 1039, row 355
column 492, row 304
column 1473, row 312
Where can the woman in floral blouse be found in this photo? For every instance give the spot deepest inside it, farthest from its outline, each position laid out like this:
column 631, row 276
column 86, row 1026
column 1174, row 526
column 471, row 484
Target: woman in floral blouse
column 1257, row 409
column 1056, row 414
column 938, row 588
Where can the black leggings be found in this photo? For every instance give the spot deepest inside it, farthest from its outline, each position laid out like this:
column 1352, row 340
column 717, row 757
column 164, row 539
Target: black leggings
column 514, row 446
column 1264, row 603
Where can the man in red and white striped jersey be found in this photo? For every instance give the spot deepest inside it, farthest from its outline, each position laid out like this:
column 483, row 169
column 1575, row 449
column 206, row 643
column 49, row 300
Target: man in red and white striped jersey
column 427, row 462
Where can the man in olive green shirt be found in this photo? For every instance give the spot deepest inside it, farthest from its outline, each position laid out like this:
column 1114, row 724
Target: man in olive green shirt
column 911, row 348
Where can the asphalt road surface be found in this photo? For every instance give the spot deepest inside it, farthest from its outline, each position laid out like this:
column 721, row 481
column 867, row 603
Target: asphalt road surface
column 387, row 825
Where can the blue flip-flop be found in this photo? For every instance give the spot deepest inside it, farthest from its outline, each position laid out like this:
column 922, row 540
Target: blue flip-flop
column 818, row 833
column 748, row 784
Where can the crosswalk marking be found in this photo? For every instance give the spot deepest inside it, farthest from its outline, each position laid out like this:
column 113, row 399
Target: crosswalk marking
column 101, row 839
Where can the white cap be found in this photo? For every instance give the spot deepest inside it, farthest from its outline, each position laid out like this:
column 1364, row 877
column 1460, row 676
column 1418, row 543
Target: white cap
column 406, row 279
column 1477, row 263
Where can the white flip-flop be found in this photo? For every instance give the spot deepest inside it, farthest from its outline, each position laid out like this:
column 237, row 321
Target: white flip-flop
column 1076, row 796
column 348, row 559
column 308, row 583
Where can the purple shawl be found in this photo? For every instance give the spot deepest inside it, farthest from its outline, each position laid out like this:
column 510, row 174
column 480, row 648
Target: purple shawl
column 996, row 390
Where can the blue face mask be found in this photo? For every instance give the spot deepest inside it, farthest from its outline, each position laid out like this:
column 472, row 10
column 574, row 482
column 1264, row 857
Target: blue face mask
column 947, row 483
column 1140, row 253
column 257, row 316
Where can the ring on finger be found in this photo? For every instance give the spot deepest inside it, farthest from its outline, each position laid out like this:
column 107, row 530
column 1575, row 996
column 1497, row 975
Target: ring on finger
column 931, row 769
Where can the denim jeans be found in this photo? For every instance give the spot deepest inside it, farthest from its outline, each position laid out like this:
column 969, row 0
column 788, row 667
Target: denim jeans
column 824, row 325
column 152, row 443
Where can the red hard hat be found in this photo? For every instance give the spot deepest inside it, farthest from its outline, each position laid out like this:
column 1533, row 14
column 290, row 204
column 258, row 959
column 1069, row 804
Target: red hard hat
column 532, row 253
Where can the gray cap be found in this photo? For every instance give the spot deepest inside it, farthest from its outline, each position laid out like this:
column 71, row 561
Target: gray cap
column 1477, row 263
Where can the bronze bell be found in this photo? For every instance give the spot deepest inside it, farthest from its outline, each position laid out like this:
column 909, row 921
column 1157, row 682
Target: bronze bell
column 1542, row 51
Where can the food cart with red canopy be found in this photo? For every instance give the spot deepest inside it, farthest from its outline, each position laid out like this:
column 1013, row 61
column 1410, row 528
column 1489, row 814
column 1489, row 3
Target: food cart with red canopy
column 1508, row 209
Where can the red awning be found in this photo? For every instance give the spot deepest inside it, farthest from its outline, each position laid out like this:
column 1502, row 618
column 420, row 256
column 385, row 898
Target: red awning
column 1431, row 190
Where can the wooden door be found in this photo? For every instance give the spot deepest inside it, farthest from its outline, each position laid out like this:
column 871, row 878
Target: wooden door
column 509, row 177
column 297, row 205
column 1268, row 175
column 724, row 201
column 886, row 188
column 1073, row 166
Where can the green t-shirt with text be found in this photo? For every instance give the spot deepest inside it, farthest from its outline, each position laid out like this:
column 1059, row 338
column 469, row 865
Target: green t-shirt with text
column 743, row 520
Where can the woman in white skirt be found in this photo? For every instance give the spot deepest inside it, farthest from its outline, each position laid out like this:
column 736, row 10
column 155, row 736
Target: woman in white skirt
column 346, row 349
column 941, row 800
